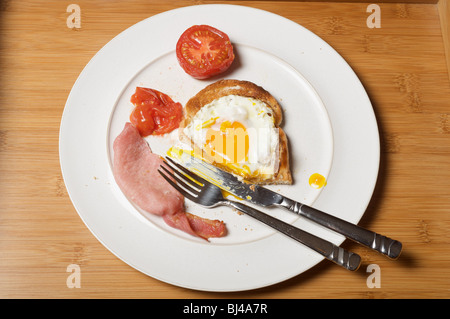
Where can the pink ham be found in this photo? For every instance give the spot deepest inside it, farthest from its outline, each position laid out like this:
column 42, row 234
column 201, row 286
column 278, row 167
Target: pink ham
column 136, row 172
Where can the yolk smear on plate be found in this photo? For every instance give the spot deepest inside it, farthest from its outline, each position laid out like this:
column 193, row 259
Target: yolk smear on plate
column 317, row 181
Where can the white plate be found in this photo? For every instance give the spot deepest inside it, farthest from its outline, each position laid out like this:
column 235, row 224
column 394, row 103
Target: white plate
column 310, row 134
column 328, row 119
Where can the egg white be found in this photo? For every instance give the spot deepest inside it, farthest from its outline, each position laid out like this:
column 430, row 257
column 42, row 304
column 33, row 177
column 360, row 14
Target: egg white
column 258, row 120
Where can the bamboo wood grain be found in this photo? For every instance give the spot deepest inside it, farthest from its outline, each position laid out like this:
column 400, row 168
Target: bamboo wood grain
column 444, row 14
column 403, row 66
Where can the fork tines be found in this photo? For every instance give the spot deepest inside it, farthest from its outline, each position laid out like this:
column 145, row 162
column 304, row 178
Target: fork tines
column 184, row 181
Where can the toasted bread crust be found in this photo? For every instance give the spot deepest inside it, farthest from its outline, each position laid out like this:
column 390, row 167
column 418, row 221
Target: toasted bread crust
column 231, row 87
column 283, row 176
column 248, row 89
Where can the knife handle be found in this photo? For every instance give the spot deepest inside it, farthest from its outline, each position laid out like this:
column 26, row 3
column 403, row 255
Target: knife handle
column 384, row 245
column 338, row 255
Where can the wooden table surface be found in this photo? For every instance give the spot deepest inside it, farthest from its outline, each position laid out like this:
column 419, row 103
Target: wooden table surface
column 402, row 66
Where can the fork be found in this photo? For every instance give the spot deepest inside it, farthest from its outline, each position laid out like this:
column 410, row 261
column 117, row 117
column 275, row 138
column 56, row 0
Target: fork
column 202, row 192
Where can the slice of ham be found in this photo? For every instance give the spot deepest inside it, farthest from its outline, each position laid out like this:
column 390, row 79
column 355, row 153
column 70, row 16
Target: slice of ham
column 136, row 172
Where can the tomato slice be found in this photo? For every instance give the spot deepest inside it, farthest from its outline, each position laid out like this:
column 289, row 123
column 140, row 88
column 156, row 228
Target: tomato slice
column 204, row 51
column 155, row 113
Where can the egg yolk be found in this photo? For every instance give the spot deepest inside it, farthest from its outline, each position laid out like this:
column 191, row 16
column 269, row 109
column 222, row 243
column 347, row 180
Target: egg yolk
column 317, row 181
column 228, row 145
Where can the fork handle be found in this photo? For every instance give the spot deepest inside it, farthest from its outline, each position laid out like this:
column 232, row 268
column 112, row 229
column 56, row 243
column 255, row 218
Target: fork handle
column 338, row 255
column 384, row 245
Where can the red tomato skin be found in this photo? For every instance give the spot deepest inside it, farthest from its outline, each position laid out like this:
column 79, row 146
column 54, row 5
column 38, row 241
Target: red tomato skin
column 155, row 113
column 141, row 119
column 207, row 69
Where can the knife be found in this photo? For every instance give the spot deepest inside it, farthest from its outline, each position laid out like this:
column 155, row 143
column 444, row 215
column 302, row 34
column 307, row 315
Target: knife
column 262, row 196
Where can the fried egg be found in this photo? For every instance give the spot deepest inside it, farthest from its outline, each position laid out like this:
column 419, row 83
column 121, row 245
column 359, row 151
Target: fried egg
column 236, row 133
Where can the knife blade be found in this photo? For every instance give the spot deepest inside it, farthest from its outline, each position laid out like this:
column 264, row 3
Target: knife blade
column 262, row 196
column 232, row 184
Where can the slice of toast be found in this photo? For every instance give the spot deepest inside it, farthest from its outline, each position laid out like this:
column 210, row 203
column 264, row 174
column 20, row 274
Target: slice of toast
column 247, row 89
